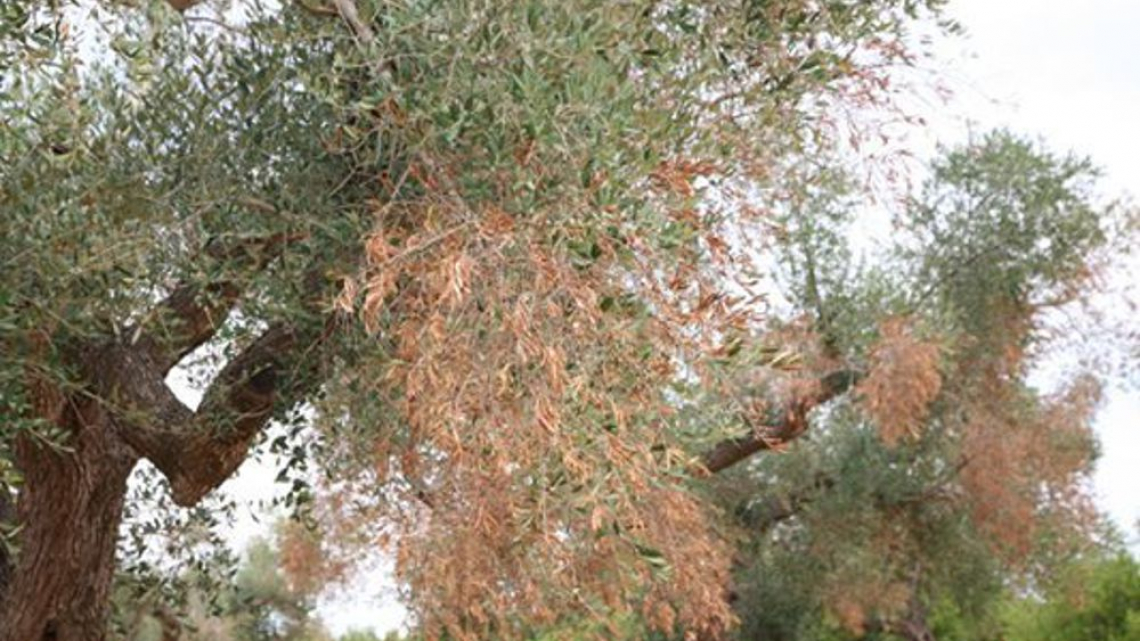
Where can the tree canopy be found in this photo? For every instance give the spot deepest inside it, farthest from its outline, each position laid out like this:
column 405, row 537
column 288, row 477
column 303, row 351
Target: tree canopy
column 492, row 280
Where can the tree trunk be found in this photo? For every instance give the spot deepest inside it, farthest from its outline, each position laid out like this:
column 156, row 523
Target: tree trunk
column 69, row 508
column 916, row 630
column 912, row 627
column 70, row 504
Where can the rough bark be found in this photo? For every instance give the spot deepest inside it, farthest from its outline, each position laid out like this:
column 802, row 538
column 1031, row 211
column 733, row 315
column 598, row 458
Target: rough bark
column 198, row 450
column 69, row 507
column 70, row 504
column 7, row 521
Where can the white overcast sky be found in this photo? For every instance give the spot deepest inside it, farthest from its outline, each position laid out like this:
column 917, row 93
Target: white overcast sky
column 1065, row 72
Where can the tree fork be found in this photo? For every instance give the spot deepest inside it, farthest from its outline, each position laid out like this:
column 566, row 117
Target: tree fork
column 70, row 505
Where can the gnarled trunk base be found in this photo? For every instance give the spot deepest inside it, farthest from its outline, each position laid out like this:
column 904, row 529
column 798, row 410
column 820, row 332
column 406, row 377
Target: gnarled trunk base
column 69, row 508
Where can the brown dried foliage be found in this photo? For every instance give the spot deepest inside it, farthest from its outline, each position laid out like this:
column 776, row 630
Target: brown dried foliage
column 904, row 379
column 303, row 561
column 1026, row 457
column 527, row 471
column 1027, row 464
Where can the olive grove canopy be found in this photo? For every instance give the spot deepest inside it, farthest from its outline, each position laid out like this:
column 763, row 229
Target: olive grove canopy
column 499, row 254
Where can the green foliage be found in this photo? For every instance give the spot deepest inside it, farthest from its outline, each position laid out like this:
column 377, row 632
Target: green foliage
column 1003, row 223
column 359, row 635
column 254, row 603
column 1101, row 602
column 848, row 530
column 497, row 176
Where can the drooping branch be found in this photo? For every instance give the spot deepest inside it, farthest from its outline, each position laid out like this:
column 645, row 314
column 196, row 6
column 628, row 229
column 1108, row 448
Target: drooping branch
column 791, row 424
column 349, row 13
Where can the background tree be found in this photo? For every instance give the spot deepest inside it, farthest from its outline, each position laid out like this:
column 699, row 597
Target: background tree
column 947, row 478
column 1098, row 598
column 259, row 603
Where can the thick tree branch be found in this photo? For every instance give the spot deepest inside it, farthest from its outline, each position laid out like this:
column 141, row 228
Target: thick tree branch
column 791, row 424
column 183, row 5
column 187, row 318
column 193, row 312
column 198, row 450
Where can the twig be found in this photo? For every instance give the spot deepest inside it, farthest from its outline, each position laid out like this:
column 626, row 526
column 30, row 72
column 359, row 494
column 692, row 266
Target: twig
column 349, row 13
